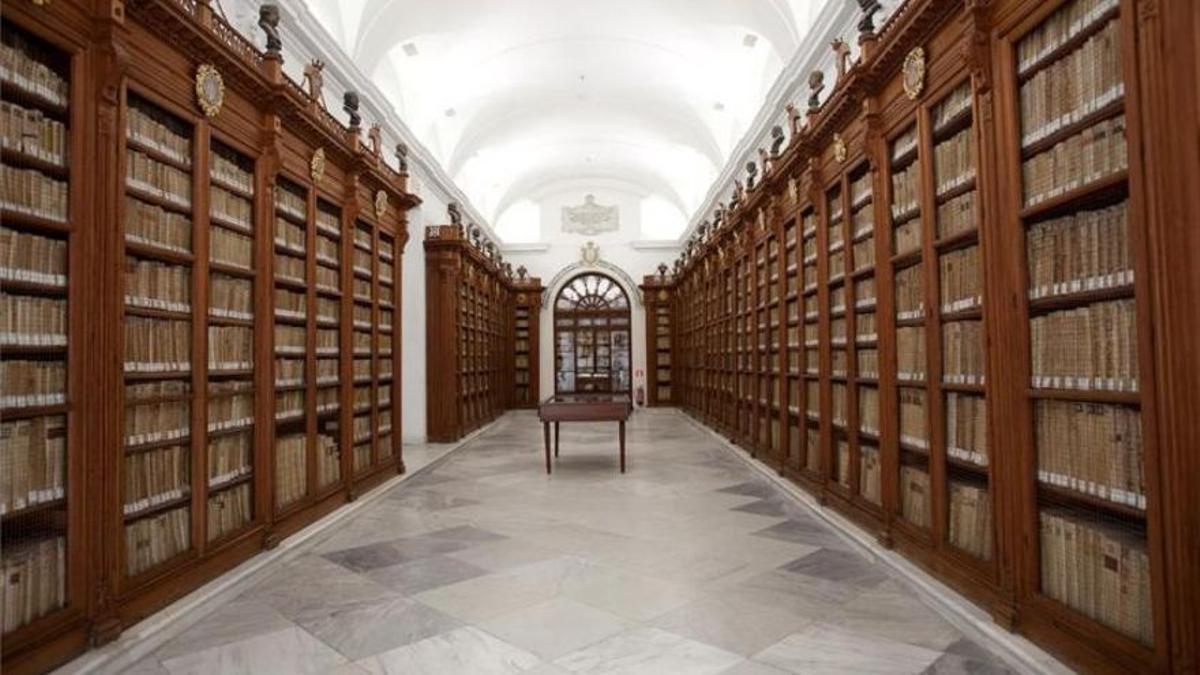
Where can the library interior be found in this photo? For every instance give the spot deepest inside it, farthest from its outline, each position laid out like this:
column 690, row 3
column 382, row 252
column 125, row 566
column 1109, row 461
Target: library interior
column 634, row 336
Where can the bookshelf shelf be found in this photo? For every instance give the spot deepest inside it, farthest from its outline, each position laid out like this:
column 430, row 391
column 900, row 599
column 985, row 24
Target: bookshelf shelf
column 1094, row 194
column 1059, row 496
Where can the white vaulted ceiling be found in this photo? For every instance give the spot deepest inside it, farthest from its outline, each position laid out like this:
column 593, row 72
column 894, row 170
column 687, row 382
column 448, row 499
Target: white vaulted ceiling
column 519, row 98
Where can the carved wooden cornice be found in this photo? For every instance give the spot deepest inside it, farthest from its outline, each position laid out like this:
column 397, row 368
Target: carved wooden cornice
column 196, row 30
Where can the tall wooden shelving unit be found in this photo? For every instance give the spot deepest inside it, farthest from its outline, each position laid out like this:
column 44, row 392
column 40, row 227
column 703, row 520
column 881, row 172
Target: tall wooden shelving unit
column 973, row 246
column 657, row 291
column 473, row 305
column 527, row 306
column 211, row 296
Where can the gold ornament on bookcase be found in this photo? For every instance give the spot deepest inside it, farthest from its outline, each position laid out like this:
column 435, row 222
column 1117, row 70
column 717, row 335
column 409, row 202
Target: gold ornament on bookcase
column 210, row 89
column 316, row 165
column 914, row 73
column 381, row 204
column 839, row 148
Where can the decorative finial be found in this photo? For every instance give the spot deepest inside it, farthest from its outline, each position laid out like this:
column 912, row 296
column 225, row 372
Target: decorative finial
column 268, row 21
column 841, row 52
column 521, row 272
column 314, row 79
column 816, row 83
column 350, row 105
column 375, row 138
column 777, row 139
column 866, row 25
column 402, row 158
column 662, row 270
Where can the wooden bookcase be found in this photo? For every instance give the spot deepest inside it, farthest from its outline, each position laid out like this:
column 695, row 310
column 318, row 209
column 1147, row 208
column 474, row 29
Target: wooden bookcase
column 527, row 307
column 473, row 309
column 973, row 336
column 657, row 292
column 193, row 275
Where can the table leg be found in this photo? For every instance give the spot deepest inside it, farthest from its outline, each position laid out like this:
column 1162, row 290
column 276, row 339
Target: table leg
column 546, row 430
column 622, row 423
column 556, row 439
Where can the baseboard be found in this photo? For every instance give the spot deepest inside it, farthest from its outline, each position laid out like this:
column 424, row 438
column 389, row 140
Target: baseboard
column 1016, row 651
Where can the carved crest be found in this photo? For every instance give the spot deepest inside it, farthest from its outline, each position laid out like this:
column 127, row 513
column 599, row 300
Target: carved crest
column 589, row 254
column 590, row 218
column 316, row 165
column 381, row 204
column 839, row 148
column 210, row 89
column 914, row 73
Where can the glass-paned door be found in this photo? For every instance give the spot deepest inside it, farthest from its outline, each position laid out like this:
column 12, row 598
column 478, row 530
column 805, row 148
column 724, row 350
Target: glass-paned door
column 591, row 336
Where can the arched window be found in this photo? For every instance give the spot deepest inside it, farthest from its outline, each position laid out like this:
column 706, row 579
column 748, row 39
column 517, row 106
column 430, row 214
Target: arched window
column 591, row 336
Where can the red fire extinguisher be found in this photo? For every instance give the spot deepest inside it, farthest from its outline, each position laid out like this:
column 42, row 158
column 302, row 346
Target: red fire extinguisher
column 640, row 396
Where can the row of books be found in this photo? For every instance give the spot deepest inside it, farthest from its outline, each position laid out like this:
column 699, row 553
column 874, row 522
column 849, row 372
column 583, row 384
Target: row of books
column 329, row 224
column 228, row 511
column 33, row 193
column 864, row 254
column 1084, row 251
column 970, row 527
column 290, row 236
column 862, row 221
column 231, row 297
column 1059, row 28
column 1100, row 569
column 328, row 252
column 906, row 237
column 329, row 310
column 230, row 404
column 230, row 348
column 331, row 280
column 1091, row 448
column 156, row 130
column 864, row 293
column 910, row 294
column 291, row 201
column 951, row 107
column 868, row 410
column 1073, row 87
column 841, row 463
column 906, row 191
column 157, row 285
column 150, row 541
column 1095, row 153
column 870, row 474
column 913, row 429
column 966, row 428
column 35, row 580
column 956, row 215
column 155, row 422
column 155, row 226
column 860, row 191
column 32, row 258
column 231, row 248
column 32, row 383
column 291, row 469
column 291, row 267
column 328, row 399
column 1090, row 347
column 231, row 210
column 865, row 327
column 28, row 320
column 910, row 353
column 22, row 64
column 329, row 458
column 960, row 274
column 230, row 172
column 154, row 477
column 290, row 303
column 904, row 145
column 31, row 133
column 289, row 372
column 33, row 462
column 157, row 345
column 289, row 405
column 868, row 363
column 962, row 352
column 914, row 496
column 838, row 402
column 954, row 162
column 229, row 458
column 146, row 174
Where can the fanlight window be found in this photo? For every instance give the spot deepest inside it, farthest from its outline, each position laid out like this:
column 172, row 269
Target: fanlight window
column 592, row 292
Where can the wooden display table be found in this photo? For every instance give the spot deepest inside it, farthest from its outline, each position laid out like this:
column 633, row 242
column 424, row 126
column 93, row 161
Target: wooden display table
column 584, row 408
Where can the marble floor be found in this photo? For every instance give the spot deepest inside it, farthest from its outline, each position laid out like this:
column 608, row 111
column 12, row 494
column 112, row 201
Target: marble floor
column 689, row 563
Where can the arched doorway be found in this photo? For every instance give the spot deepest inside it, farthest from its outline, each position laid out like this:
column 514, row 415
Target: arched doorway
column 592, row 346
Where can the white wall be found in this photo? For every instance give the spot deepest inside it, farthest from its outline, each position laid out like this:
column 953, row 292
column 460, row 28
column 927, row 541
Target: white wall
column 623, row 249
